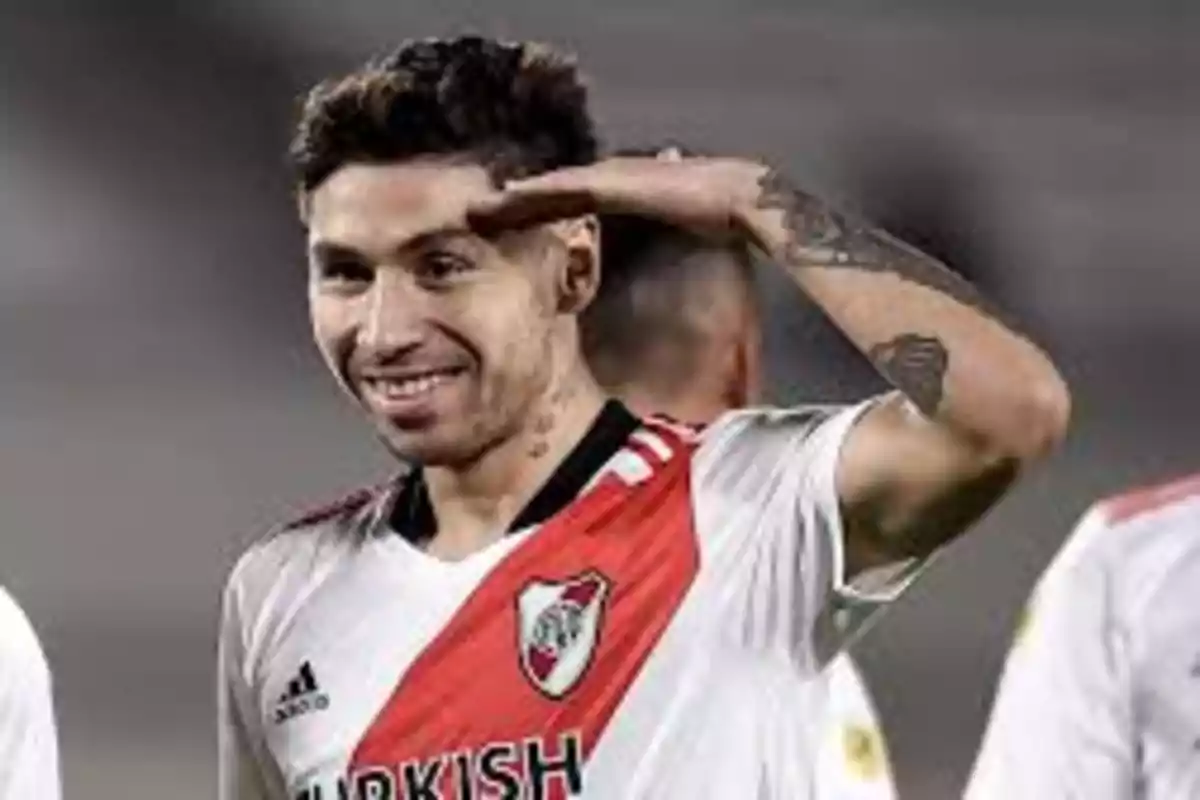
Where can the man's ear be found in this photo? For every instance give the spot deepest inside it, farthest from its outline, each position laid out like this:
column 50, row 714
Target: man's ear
column 735, row 389
column 580, row 279
column 756, row 378
column 303, row 205
column 745, row 387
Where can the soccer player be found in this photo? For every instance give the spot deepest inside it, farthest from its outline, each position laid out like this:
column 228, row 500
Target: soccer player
column 1100, row 696
column 28, row 738
column 674, row 329
column 560, row 599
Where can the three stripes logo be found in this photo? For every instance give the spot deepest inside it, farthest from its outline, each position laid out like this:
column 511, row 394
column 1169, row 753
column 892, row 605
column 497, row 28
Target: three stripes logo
column 302, row 696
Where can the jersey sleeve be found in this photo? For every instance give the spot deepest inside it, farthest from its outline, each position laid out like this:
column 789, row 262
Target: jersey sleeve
column 240, row 745
column 770, row 523
column 28, row 735
column 1062, row 722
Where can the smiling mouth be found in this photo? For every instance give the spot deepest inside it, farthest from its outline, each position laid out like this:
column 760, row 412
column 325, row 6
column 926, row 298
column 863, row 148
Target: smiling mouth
column 409, row 386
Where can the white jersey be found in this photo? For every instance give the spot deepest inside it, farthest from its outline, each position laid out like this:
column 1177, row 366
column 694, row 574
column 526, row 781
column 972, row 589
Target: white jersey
column 647, row 640
column 853, row 761
column 28, row 740
column 1100, row 697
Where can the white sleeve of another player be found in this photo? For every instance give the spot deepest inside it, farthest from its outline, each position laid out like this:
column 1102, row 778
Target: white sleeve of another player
column 28, row 737
column 1062, row 725
column 240, row 745
column 853, row 761
column 769, row 517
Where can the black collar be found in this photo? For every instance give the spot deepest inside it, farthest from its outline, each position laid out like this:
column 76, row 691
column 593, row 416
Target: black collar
column 412, row 514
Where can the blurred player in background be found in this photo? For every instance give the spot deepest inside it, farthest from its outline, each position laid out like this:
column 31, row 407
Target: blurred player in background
column 675, row 329
column 1100, row 696
column 560, row 598
column 28, row 736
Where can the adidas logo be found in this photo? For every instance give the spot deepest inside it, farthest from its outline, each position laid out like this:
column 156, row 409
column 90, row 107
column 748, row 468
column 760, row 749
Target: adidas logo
column 302, row 696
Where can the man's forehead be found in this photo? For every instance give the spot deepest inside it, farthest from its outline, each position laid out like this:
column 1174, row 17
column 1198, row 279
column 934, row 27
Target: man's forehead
column 369, row 203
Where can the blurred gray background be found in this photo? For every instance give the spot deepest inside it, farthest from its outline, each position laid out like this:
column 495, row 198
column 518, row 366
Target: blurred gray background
column 160, row 401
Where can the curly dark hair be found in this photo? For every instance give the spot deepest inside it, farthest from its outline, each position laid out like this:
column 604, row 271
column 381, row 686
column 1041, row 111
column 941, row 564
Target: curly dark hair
column 516, row 108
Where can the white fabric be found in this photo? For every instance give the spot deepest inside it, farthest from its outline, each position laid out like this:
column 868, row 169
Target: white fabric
column 1100, row 696
column 724, row 705
column 28, row 738
column 853, row 761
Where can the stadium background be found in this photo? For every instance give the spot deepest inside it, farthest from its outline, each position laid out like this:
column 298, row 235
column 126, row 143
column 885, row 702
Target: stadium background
column 160, row 402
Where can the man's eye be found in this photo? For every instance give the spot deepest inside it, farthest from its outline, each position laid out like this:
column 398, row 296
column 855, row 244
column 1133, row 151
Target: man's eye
column 438, row 265
column 345, row 272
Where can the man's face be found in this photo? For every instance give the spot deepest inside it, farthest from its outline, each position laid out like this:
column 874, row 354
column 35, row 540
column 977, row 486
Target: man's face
column 445, row 338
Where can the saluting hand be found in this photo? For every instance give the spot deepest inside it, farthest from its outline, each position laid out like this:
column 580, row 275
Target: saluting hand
column 709, row 196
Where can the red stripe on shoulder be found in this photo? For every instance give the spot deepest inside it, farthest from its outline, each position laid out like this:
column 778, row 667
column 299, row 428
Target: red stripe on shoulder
column 347, row 504
column 1135, row 503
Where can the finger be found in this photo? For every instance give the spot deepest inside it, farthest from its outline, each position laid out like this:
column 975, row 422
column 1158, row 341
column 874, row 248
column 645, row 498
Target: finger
column 527, row 204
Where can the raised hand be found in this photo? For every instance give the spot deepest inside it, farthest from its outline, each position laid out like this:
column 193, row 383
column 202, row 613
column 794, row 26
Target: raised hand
column 704, row 195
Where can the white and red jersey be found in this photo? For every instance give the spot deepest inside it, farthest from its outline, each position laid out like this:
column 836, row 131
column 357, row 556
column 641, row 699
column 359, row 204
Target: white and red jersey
column 28, row 737
column 645, row 637
column 1100, row 696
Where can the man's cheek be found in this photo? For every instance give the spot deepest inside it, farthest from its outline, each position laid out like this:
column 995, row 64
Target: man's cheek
column 336, row 344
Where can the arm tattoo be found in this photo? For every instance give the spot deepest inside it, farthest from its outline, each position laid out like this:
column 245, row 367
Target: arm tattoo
column 819, row 237
column 916, row 365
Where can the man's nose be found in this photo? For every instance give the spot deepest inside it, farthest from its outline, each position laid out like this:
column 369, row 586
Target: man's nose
column 395, row 309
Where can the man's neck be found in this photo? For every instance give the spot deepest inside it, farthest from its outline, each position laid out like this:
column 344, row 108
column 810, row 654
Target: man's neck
column 475, row 506
column 696, row 409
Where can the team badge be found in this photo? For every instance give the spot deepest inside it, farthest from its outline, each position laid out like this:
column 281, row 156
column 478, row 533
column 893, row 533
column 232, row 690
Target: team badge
column 1024, row 623
column 558, row 628
column 863, row 750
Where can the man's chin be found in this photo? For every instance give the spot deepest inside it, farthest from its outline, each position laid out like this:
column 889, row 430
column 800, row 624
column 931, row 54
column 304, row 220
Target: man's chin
column 427, row 446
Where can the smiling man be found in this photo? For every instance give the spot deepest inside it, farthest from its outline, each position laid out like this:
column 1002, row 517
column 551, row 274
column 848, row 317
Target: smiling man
column 558, row 598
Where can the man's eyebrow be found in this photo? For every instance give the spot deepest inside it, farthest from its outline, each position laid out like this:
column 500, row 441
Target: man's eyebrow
column 449, row 232
column 323, row 250
column 327, row 250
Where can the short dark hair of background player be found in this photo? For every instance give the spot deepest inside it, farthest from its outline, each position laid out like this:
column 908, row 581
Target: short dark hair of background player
column 669, row 303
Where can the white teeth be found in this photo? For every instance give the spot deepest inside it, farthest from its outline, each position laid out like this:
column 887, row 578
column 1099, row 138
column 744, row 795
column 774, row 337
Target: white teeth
column 404, row 389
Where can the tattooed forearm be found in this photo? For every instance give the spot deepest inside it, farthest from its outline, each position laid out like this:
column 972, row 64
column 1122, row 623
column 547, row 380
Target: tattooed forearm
column 818, row 236
column 916, row 365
